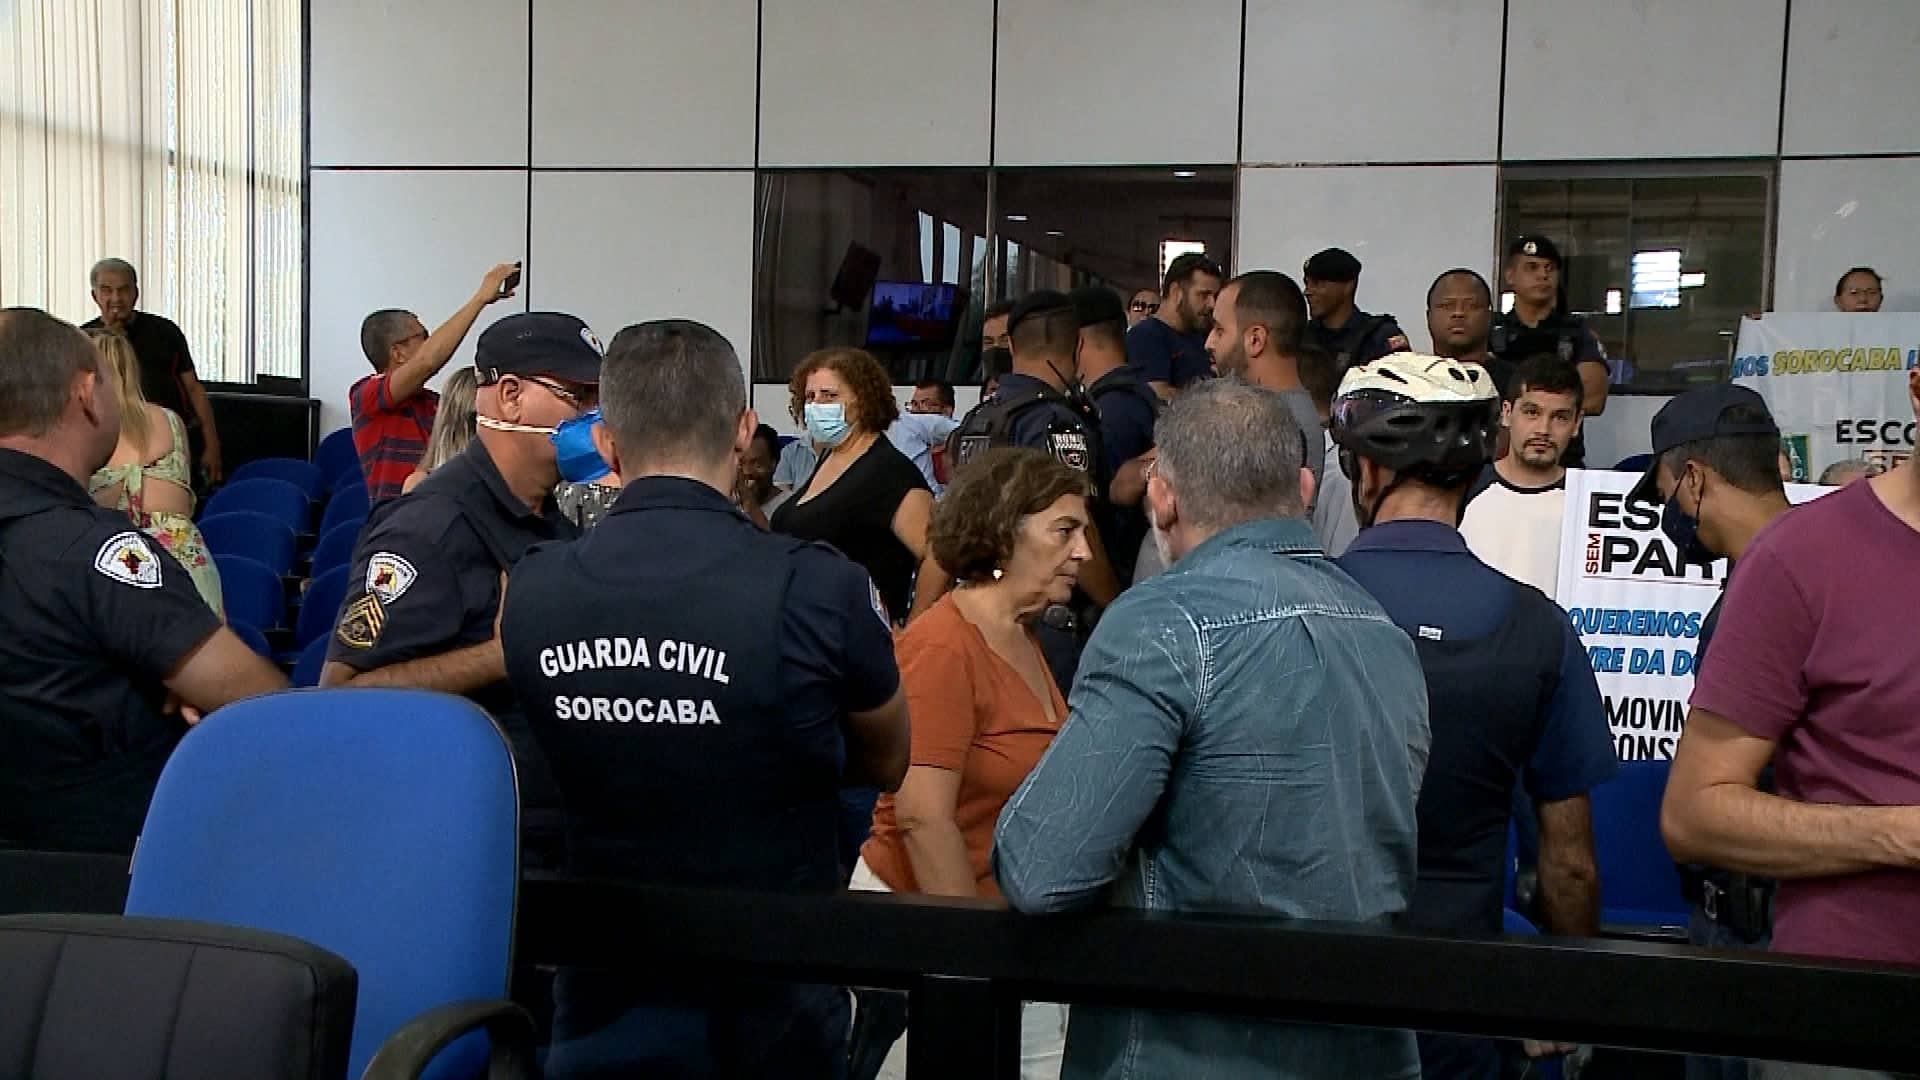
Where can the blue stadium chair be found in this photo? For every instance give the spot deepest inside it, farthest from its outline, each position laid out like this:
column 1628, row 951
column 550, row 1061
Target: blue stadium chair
column 255, row 640
column 320, row 606
column 349, row 477
column 274, row 498
column 381, row 825
column 306, row 670
column 335, row 453
column 336, row 546
column 304, row 475
column 252, row 592
column 260, row 537
column 347, row 504
column 1639, row 885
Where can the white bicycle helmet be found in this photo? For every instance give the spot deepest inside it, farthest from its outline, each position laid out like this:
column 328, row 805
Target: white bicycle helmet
column 1406, row 410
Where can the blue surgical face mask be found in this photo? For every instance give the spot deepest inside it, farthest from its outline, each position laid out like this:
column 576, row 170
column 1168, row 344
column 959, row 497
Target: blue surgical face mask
column 827, row 423
column 573, row 449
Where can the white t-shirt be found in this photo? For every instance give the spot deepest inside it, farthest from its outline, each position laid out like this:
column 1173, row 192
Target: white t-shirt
column 1517, row 530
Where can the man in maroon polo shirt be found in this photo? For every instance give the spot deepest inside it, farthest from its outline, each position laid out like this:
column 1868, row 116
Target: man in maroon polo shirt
column 393, row 410
column 1813, row 668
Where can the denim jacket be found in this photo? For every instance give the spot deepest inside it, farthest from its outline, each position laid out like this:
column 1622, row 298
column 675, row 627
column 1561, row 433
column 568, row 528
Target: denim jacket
column 1247, row 735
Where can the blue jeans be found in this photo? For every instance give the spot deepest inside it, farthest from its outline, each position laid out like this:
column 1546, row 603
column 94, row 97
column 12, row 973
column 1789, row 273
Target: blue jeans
column 1706, row 933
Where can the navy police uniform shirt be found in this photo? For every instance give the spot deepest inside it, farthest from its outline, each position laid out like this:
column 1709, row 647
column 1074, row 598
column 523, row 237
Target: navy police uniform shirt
column 1159, row 353
column 426, row 581
column 1128, row 409
column 1441, row 595
column 688, row 676
column 1037, row 426
column 1362, row 339
column 93, row 616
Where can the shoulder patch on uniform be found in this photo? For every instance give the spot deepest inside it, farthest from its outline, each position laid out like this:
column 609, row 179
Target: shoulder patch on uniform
column 389, row 576
column 1399, row 343
column 362, row 622
column 127, row 559
column 879, row 605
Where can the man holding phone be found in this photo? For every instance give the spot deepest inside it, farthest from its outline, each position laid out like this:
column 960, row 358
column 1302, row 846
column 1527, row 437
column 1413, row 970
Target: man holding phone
column 392, row 409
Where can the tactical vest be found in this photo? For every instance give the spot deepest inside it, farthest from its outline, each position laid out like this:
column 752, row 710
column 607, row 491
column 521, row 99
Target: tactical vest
column 1074, row 443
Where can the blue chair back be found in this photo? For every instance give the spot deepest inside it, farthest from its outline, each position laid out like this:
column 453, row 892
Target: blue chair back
column 255, row 640
column 349, row 477
column 1639, row 885
column 347, row 504
column 313, row 658
column 259, row 537
column 275, row 498
column 382, row 825
column 336, row 546
column 335, row 453
column 304, row 475
column 320, row 606
column 252, row 592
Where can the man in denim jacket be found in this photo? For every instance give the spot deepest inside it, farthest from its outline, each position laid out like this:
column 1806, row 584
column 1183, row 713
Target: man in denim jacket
column 1247, row 735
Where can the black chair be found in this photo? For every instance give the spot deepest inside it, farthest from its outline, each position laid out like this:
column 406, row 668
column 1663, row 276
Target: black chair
column 85, row 996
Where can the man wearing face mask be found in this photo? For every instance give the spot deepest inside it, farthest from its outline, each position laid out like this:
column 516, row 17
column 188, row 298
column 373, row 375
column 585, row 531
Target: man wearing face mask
column 1715, row 478
column 430, row 565
column 1042, row 406
column 1511, row 695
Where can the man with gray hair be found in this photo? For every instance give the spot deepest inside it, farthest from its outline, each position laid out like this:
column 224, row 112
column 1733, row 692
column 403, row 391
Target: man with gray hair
column 167, row 378
column 696, row 684
column 1247, row 734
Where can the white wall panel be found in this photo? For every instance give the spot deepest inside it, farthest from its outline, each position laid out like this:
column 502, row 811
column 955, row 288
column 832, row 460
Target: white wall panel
column 415, row 240
column 1852, row 83
column 1838, row 214
column 1139, row 82
column 643, row 82
column 1288, row 214
column 419, row 82
column 875, row 82
column 1651, row 78
column 621, row 248
column 1430, row 89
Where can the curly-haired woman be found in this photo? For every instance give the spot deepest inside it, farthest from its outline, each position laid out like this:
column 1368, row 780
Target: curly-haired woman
column 864, row 497
column 1012, row 528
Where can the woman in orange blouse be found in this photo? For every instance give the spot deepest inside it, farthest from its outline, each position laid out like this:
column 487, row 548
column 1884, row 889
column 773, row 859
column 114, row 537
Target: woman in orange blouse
column 1012, row 528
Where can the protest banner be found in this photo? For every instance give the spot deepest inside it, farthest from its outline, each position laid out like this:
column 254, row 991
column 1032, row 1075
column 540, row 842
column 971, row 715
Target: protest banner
column 1836, row 384
column 1637, row 607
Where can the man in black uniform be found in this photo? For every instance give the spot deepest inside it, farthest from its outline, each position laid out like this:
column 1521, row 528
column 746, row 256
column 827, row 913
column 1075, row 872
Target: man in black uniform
column 107, row 652
column 1330, row 279
column 1715, row 475
column 1537, row 325
column 1042, row 406
column 430, row 565
column 1127, row 409
column 703, row 689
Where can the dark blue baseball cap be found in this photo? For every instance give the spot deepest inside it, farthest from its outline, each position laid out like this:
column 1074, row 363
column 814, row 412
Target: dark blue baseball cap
column 1698, row 415
column 539, row 343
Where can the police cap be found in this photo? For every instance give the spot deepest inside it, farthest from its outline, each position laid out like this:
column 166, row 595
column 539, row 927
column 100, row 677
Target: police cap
column 1044, row 302
column 1096, row 304
column 539, row 343
column 1696, row 416
column 1537, row 246
column 1333, row 264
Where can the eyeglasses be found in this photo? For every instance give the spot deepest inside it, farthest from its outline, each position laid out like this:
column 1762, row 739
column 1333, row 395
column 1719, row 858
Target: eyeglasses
column 581, row 400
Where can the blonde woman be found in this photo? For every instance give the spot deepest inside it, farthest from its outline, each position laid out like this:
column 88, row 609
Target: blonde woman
column 148, row 478
column 452, row 426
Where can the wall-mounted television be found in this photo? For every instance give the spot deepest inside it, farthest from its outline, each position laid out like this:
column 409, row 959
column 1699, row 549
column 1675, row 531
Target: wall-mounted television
column 914, row 315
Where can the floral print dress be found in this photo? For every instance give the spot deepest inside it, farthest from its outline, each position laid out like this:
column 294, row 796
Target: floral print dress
column 175, row 532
